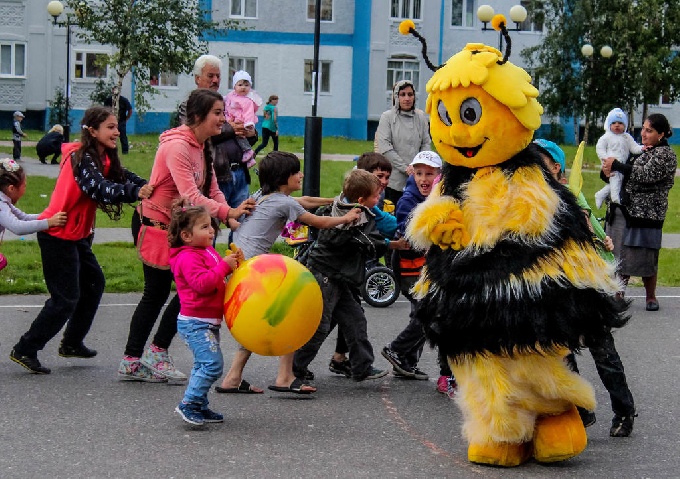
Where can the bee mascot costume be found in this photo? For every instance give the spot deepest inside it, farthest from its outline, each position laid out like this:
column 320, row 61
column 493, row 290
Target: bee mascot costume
column 512, row 281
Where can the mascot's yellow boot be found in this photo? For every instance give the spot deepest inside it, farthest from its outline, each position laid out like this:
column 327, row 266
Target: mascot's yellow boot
column 499, row 453
column 560, row 437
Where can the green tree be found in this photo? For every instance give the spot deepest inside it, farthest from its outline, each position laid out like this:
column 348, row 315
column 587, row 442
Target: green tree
column 148, row 35
column 642, row 35
column 58, row 108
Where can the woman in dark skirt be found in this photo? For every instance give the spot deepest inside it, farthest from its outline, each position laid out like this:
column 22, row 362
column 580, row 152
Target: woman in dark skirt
column 635, row 225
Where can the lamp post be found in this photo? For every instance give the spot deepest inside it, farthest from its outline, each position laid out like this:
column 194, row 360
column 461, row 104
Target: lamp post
column 588, row 51
column 313, row 124
column 518, row 14
column 55, row 8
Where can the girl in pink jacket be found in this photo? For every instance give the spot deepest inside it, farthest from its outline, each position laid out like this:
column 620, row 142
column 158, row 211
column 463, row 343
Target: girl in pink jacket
column 199, row 273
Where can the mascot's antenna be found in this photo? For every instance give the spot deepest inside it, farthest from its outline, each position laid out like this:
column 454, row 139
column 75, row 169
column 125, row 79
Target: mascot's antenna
column 406, row 27
column 508, row 43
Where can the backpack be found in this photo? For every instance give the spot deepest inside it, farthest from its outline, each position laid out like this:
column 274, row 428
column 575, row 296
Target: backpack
column 303, row 249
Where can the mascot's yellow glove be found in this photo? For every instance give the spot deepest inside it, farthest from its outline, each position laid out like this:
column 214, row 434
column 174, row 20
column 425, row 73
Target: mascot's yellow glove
column 452, row 233
column 438, row 220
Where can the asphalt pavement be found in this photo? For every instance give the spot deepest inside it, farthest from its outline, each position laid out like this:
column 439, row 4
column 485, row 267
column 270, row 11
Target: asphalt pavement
column 80, row 422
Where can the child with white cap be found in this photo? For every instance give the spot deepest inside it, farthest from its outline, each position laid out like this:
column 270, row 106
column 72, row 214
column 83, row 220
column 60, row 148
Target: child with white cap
column 404, row 351
column 17, row 135
column 240, row 105
column 618, row 144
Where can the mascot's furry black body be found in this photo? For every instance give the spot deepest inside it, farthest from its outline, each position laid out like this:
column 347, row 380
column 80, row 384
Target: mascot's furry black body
column 512, row 280
column 472, row 310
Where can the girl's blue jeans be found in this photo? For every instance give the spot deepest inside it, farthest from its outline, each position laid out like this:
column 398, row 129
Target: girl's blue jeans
column 203, row 339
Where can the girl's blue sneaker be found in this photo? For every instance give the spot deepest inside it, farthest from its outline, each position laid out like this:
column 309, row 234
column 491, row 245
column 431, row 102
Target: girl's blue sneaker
column 191, row 413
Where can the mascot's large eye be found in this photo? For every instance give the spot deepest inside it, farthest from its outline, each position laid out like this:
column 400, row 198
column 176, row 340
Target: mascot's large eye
column 443, row 114
column 470, row 111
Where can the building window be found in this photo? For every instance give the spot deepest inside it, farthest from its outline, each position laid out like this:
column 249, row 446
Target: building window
column 163, row 79
column 406, row 68
column 535, row 16
column 324, row 76
column 241, row 63
column 12, row 59
column 90, row 66
column 326, row 10
column 665, row 100
column 244, row 8
column 462, row 13
column 405, row 9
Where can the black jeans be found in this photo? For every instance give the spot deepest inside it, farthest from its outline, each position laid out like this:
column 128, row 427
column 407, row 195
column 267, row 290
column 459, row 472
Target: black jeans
column 76, row 284
column 16, row 149
column 340, row 306
column 266, row 134
column 410, row 341
column 610, row 368
column 124, row 144
column 157, row 284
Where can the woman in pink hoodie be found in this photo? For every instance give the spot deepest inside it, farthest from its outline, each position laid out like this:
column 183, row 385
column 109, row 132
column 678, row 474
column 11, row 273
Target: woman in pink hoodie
column 182, row 168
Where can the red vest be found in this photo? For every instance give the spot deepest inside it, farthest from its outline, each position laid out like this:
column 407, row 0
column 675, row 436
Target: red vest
column 68, row 197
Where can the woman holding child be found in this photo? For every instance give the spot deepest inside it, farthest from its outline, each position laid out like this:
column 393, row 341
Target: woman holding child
column 635, row 225
column 182, row 168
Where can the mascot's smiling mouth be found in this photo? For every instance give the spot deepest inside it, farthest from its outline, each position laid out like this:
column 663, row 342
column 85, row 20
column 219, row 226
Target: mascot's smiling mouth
column 470, row 152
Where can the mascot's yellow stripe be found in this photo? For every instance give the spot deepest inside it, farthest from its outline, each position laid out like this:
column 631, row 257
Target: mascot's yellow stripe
column 497, row 205
column 575, row 264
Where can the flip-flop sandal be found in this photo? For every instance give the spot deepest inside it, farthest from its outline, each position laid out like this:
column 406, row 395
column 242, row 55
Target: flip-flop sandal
column 295, row 387
column 244, row 388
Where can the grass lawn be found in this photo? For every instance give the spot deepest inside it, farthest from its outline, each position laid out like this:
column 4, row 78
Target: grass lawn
column 123, row 270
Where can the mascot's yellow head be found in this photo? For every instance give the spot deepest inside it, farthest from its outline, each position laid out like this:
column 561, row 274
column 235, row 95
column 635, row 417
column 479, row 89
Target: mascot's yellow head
column 483, row 109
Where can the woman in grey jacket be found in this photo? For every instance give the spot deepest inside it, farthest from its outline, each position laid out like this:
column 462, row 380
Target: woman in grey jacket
column 402, row 132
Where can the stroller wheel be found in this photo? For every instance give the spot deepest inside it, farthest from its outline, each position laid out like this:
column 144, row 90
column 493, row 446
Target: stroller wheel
column 380, row 287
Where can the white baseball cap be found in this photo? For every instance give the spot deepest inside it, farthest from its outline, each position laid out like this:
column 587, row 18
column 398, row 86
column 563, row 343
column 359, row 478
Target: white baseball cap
column 429, row 158
column 18, row 113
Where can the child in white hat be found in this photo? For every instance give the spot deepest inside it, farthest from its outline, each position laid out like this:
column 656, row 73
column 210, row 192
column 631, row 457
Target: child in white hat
column 17, row 135
column 615, row 143
column 240, row 105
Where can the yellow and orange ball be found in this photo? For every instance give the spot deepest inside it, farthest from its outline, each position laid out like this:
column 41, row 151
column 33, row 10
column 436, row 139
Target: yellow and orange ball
column 272, row 305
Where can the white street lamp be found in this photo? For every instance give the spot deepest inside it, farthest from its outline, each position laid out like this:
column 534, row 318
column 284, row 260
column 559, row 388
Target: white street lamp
column 605, row 52
column 588, row 51
column 518, row 14
column 56, row 8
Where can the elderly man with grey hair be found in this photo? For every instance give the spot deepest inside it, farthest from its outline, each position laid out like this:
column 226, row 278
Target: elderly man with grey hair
column 232, row 174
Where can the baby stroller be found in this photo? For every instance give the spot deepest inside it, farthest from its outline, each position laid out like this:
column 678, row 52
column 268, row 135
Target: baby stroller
column 380, row 287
